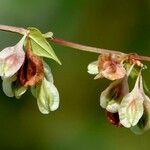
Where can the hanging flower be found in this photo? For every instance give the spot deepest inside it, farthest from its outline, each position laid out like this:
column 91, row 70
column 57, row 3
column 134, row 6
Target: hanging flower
column 144, row 122
column 108, row 66
column 11, row 59
column 111, row 97
column 46, row 93
column 131, row 108
column 12, row 87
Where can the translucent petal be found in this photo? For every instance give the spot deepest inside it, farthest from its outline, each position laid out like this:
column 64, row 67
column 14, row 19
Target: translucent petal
column 93, row 68
column 111, row 97
column 12, row 88
column 131, row 109
column 11, row 59
column 144, row 123
column 47, row 97
column 110, row 74
column 7, row 86
column 19, row 91
column 110, row 66
column 112, row 106
column 48, row 73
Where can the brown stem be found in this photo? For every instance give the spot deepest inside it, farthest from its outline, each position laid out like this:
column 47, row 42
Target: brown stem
column 14, row 29
column 71, row 44
column 84, row 47
column 93, row 49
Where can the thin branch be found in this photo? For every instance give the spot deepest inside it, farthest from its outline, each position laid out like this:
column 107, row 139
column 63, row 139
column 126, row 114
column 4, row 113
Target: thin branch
column 84, row 47
column 14, row 29
column 93, row 49
column 71, row 44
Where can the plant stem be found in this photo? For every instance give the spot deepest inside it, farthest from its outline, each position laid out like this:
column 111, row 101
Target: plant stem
column 14, row 29
column 94, row 49
column 71, row 44
column 84, row 47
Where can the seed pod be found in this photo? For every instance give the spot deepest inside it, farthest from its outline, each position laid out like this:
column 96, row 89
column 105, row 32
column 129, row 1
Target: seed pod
column 113, row 118
column 112, row 96
column 11, row 59
column 144, row 123
column 32, row 71
column 12, row 88
column 47, row 96
column 131, row 108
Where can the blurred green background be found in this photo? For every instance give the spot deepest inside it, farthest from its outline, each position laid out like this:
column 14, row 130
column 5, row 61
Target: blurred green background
column 79, row 123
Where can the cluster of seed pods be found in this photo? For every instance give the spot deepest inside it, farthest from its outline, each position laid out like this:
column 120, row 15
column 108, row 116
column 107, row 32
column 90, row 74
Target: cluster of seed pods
column 21, row 69
column 124, row 108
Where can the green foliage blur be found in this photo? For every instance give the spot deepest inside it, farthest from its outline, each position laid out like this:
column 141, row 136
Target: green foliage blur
column 79, row 123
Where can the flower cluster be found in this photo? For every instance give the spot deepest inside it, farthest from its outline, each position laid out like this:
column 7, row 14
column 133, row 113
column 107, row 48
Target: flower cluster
column 124, row 108
column 21, row 69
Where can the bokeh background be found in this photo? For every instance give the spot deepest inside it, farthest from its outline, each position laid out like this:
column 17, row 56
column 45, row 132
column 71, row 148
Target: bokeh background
column 79, row 123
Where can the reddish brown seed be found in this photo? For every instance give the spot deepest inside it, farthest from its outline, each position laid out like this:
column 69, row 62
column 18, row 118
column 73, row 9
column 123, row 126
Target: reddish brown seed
column 113, row 118
column 32, row 71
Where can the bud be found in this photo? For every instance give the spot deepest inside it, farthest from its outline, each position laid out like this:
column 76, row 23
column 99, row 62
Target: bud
column 112, row 96
column 11, row 59
column 131, row 108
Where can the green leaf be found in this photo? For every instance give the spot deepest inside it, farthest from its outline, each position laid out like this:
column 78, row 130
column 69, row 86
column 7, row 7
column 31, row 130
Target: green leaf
column 40, row 46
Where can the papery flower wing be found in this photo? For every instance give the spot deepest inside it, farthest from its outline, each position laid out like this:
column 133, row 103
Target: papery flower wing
column 48, row 73
column 112, row 96
column 19, row 91
column 7, row 86
column 12, row 88
column 110, row 67
column 93, row 68
column 131, row 109
column 47, row 97
column 114, row 72
column 112, row 106
column 144, row 123
column 11, row 59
